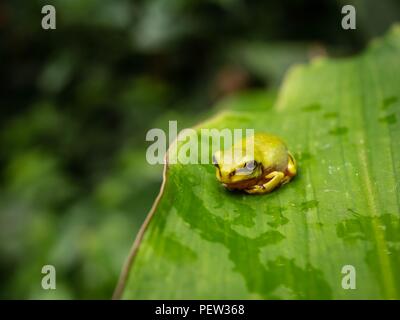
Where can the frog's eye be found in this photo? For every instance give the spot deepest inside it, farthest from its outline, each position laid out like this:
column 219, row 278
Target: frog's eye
column 250, row 165
column 214, row 161
column 247, row 168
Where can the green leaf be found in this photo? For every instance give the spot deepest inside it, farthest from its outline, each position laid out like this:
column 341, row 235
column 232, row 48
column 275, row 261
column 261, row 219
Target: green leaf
column 339, row 118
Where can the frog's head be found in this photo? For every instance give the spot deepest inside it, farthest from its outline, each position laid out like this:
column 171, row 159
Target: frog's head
column 236, row 171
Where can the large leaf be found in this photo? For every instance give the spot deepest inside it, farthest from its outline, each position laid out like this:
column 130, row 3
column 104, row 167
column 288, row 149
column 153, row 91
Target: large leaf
column 340, row 119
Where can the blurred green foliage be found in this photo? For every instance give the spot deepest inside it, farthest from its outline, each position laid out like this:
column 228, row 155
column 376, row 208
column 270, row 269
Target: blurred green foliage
column 77, row 102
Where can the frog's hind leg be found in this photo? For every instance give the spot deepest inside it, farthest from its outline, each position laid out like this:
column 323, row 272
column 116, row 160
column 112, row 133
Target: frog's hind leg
column 291, row 170
column 275, row 179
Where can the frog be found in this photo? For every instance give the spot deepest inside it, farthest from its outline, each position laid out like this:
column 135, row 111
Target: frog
column 257, row 170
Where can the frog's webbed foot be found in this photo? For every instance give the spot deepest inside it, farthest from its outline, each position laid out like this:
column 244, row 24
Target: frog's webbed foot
column 275, row 179
column 255, row 190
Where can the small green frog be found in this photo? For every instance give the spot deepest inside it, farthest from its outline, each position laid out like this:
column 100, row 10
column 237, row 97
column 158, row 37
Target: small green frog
column 270, row 166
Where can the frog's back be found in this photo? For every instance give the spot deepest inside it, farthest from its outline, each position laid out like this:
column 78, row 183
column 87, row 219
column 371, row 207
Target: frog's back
column 271, row 150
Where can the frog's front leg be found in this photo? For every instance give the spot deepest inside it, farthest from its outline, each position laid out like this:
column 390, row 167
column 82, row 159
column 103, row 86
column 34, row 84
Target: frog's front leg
column 275, row 179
